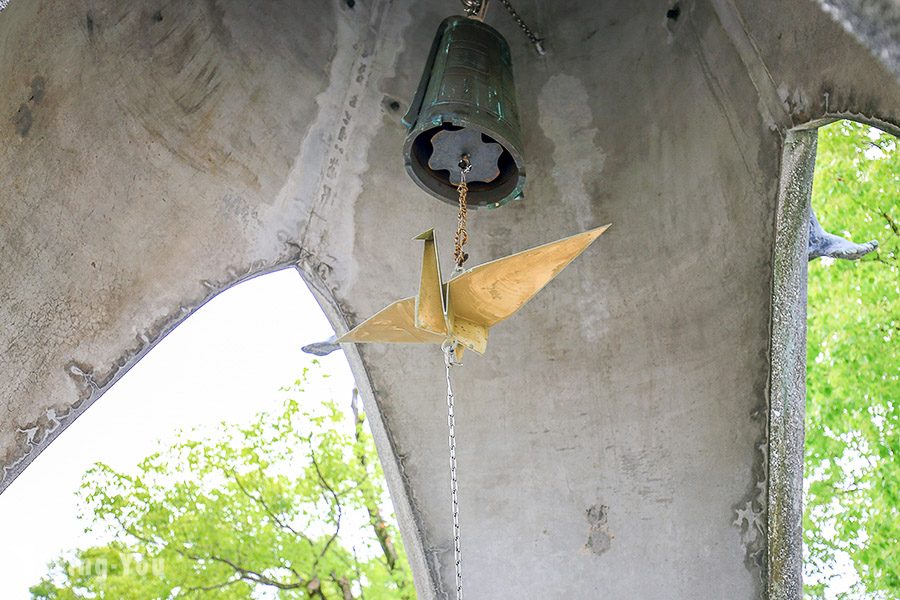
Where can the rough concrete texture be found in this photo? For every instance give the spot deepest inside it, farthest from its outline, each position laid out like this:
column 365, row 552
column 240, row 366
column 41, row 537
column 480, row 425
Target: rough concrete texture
column 874, row 22
column 787, row 401
column 614, row 441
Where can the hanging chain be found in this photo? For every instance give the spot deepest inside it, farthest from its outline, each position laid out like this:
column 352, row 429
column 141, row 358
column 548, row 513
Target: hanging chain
column 462, row 235
column 459, row 257
column 454, row 491
column 476, row 9
column 536, row 40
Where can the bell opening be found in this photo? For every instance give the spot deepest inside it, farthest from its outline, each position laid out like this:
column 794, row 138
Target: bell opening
column 481, row 193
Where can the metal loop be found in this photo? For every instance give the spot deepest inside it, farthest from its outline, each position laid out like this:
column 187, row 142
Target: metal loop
column 471, row 7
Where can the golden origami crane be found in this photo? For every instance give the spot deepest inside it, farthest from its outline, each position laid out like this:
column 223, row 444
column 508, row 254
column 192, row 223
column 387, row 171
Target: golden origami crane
column 460, row 312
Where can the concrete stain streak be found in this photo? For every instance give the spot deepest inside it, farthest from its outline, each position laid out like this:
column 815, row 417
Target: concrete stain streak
column 566, row 119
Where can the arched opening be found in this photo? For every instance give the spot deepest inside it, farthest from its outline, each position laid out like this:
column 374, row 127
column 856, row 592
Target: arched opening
column 851, row 484
column 831, row 416
column 228, row 362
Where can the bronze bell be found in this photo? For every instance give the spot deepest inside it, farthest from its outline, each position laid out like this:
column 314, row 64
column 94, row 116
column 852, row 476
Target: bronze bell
column 465, row 105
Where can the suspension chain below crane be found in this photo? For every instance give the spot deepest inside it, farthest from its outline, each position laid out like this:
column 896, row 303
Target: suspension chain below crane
column 449, row 349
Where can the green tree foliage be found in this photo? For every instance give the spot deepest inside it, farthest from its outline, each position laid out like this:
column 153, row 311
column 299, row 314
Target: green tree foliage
column 853, row 376
column 292, row 505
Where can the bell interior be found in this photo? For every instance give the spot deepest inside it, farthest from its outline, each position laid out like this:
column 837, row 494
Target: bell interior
column 480, row 193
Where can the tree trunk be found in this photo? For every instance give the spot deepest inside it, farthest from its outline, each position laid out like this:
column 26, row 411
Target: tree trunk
column 344, row 584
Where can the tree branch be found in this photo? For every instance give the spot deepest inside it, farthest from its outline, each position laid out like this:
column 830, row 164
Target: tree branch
column 261, row 501
column 359, row 577
column 243, row 573
column 251, row 575
column 890, row 221
column 314, row 589
column 209, row 588
column 344, row 584
column 337, row 503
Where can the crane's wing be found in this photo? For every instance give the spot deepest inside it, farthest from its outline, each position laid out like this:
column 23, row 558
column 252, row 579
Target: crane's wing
column 394, row 324
column 491, row 292
column 431, row 305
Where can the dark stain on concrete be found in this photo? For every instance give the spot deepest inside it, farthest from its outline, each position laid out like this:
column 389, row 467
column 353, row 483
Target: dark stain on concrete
column 38, row 85
column 23, row 120
column 24, row 117
column 599, row 537
column 673, row 13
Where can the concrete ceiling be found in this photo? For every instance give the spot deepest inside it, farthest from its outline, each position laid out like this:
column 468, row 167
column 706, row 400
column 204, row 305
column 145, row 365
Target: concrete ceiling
column 614, row 442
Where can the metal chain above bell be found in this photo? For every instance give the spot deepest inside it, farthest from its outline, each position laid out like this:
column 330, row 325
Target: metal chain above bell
column 476, row 9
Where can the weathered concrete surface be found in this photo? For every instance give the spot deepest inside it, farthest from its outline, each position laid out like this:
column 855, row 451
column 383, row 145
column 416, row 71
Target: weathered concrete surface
column 874, row 22
column 614, row 442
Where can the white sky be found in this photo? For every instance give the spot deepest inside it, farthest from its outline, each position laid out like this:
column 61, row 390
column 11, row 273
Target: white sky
column 226, row 362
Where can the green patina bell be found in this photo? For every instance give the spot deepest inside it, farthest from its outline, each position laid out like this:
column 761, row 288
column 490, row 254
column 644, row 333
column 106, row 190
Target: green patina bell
column 466, row 106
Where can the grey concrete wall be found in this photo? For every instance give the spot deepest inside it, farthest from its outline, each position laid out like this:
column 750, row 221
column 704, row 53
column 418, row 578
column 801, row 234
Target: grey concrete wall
column 613, row 443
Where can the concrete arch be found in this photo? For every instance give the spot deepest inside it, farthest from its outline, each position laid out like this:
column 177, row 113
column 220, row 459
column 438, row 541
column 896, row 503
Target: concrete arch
column 312, row 277
column 410, row 521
